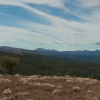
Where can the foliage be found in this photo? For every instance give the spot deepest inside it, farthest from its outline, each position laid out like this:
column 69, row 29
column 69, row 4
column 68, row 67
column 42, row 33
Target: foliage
column 95, row 76
column 58, row 74
column 92, row 76
column 9, row 63
column 70, row 73
column 34, row 64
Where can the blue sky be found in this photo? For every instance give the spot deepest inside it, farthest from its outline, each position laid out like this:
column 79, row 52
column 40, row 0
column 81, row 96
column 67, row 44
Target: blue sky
column 51, row 24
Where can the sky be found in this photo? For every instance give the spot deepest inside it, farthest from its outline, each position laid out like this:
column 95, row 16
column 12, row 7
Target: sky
column 63, row 25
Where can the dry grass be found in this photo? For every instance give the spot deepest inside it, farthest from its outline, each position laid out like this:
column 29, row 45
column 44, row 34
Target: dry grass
column 48, row 88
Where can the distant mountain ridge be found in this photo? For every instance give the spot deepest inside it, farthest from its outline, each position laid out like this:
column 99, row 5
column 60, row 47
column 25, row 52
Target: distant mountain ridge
column 47, row 52
column 70, row 54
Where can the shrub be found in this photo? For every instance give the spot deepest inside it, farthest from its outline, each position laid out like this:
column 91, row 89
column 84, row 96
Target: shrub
column 93, row 76
column 58, row 74
column 70, row 73
column 9, row 63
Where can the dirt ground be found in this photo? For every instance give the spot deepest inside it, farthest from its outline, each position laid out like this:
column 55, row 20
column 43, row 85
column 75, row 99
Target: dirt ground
column 38, row 87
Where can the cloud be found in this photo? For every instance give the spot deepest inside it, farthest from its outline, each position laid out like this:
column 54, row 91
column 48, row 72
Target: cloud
column 86, row 10
column 52, row 3
column 12, row 33
column 89, row 3
column 97, row 43
column 22, row 4
column 67, row 30
column 59, row 28
column 87, row 28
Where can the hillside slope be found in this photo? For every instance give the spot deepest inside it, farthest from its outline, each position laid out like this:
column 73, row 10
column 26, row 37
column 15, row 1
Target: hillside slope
column 38, row 87
column 84, row 55
column 31, row 64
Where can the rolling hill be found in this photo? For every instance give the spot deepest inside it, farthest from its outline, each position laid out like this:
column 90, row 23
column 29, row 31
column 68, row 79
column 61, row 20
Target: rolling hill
column 32, row 63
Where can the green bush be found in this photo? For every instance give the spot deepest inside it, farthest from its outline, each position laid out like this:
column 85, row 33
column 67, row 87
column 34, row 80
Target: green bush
column 9, row 63
column 70, row 73
column 58, row 74
column 93, row 76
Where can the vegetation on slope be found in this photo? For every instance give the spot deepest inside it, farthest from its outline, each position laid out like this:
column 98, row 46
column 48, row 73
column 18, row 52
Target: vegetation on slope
column 32, row 64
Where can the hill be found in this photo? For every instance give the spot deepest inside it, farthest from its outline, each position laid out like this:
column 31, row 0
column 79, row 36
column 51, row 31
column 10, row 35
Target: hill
column 33, row 63
column 84, row 55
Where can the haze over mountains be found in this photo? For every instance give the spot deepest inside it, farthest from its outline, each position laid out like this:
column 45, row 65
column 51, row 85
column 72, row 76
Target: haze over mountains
column 64, row 54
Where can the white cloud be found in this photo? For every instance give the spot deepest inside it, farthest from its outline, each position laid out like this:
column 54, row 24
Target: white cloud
column 52, row 3
column 59, row 27
column 97, row 43
column 65, row 29
column 88, row 10
column 18, row 33
column 89, row 3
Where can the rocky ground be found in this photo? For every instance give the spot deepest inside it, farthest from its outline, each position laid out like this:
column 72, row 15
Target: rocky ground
column 38, row 87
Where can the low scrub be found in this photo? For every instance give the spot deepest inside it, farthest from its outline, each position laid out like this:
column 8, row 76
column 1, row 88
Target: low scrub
column 38, row 87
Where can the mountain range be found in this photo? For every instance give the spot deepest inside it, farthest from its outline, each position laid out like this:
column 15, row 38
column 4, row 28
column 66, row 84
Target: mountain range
column 86, row 55
column 52, row 62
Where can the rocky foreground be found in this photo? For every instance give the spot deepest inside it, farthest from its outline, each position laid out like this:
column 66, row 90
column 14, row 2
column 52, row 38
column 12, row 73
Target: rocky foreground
column 38, row 87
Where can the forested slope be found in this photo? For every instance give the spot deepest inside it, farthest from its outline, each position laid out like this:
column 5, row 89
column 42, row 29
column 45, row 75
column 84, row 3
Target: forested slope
column 42, row 65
